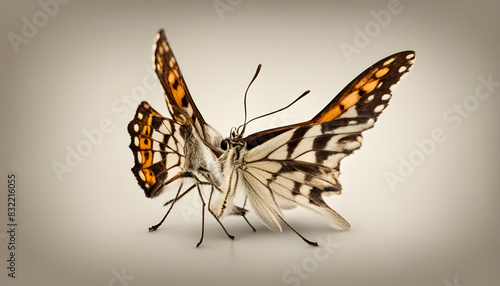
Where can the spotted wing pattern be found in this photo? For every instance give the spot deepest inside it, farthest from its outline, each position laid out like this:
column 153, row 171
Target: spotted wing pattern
column 179, row 100
column 380, row 78
column 158, row 148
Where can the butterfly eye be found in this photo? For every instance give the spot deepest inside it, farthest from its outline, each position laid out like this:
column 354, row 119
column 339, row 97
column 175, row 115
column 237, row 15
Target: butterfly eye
column 223, row 144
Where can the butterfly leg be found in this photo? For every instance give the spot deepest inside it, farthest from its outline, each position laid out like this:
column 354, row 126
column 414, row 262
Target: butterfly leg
column 202, row 216
column 241, row 211
column 244, row 213
column 176, row 199
column 191, row 175
column 213, row 214
column 155, row 227
column 313, row 243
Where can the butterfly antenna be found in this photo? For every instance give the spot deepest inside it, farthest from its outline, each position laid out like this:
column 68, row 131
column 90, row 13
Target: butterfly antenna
column 281, row 109
column 245, row 99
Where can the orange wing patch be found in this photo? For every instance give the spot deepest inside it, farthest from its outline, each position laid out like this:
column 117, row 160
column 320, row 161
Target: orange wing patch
column 178, row 91
column 379, row 77
column 147, row 177
column 365, row 86
column 381, row 73
column 145, row 155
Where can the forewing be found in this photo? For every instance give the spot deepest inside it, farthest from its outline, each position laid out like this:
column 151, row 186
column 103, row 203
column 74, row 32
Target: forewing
column 179, row 100
column 158, row 148
column 379, row 79
column 300, row 163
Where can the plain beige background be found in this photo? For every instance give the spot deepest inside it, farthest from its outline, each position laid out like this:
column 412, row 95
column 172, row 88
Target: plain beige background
column 438, row 225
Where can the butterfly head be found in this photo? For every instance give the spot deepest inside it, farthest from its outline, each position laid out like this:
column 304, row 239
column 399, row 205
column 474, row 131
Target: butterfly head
column 235, row 139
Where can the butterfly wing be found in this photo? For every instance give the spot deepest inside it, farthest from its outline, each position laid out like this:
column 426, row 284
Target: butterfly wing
column 179, row 100
column 298, row 164
column 158, row 148
column 380, row 78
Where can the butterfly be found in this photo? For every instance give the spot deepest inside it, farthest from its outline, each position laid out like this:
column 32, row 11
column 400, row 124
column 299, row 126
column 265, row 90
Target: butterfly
column 276, row 169
column 182, row 150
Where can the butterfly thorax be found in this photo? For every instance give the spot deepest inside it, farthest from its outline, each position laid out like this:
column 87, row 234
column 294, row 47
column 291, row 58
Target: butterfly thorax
column 233, row 164
column 233, row 149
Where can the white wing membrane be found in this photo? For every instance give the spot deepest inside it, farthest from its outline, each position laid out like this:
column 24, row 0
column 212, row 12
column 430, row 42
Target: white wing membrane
column 262, row 200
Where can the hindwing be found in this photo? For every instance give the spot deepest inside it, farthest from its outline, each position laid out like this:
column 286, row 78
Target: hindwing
column 158, row 148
